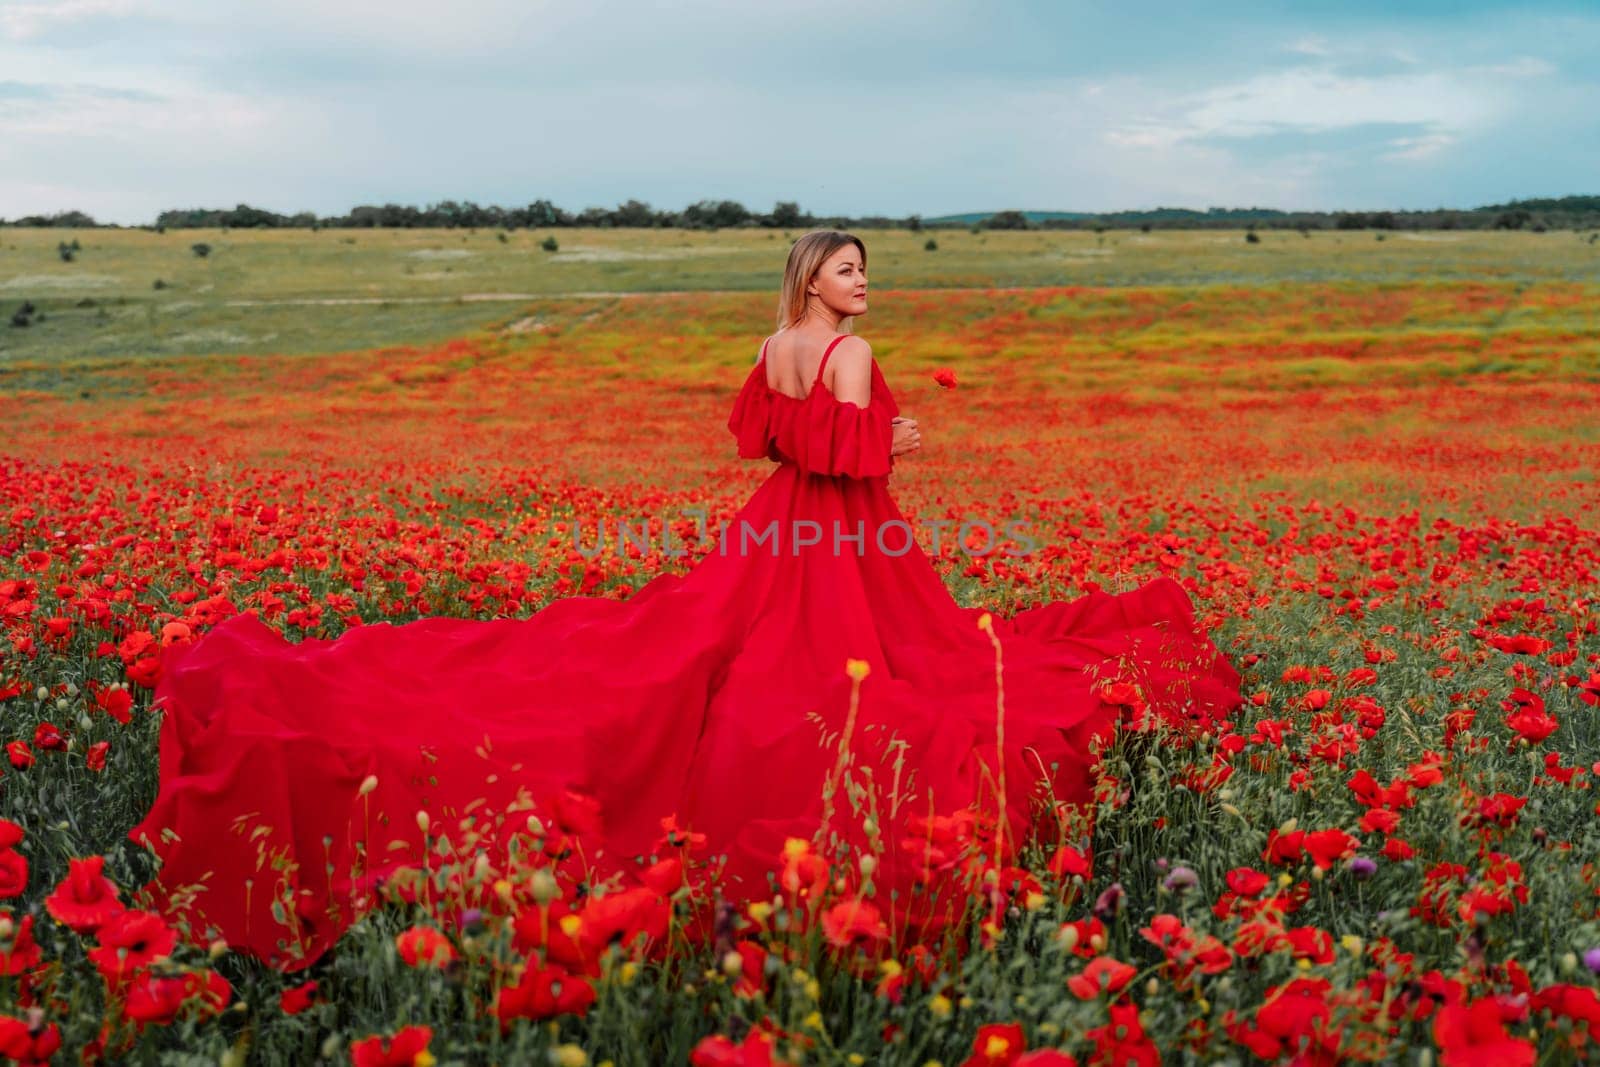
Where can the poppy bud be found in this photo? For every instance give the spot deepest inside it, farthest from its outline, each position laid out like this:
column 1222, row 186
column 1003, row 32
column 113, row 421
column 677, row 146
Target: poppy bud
column 544, row 885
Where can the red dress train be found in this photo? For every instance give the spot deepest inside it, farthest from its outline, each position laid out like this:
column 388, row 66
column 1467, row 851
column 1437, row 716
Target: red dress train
column 718, row 696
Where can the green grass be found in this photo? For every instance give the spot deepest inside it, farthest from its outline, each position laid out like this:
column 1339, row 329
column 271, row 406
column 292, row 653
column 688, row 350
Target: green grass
column 301, row 291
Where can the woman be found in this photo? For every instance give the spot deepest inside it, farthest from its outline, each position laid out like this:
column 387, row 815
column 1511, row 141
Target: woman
column 814, row 644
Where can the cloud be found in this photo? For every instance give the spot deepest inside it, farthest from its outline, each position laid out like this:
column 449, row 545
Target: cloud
column 51, row 94
column 110, row 115
column 28, row 20
column 25, row 91
column 1318, row 99
column 1310, row 46
column 1419, row 148
column 1518, row 67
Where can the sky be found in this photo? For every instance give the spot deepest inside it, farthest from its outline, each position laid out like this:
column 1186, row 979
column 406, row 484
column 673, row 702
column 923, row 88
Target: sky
column 125, row 108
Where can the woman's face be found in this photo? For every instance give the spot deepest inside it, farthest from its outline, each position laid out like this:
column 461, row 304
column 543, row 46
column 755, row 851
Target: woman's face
column 841, row 282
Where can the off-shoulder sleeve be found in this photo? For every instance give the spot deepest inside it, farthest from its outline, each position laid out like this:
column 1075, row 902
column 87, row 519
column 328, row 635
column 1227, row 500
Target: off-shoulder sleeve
column 843, row 439
column 750, row 421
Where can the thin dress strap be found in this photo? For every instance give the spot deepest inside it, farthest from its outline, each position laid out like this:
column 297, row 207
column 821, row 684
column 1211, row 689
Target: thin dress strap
column 825, row 354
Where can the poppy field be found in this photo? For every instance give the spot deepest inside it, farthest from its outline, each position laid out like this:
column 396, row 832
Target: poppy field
column 1382, row 492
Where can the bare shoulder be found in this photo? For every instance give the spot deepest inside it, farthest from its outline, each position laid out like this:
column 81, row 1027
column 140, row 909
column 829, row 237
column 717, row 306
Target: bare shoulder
column 850, row 370
column 852, row 353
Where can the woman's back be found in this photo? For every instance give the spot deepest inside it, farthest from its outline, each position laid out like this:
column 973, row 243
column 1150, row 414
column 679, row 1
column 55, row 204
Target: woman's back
column 796, row 361
column 811, row 427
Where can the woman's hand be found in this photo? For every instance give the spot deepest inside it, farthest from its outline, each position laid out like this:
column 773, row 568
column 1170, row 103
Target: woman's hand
column 907, row 438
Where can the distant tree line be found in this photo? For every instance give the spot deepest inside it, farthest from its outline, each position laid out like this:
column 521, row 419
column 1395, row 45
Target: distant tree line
column 1570, row 212
column 1564, row 213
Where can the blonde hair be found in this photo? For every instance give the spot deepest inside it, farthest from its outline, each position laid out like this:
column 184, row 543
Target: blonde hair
column 805, row 259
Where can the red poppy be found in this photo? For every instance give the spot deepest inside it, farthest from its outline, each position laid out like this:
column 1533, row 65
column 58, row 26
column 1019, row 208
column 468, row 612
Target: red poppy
column 1290, row 1016
column 1247, row 882
column 116, row 703
column 1520, row 644
column 18, row 950
column 1068, row 862
column 1365, row 787
column 543, row 992
column 557, row 930
column 803, row 874
column 135, row 645
column 1380, row 820
column 1119, row 693
column 1284, row 849
column 129, row 941
column 1421, row 775
column 423, row 946
column 854, row 923
column 1532, row 724
column 997, row 1045
column 13, row 873
column 1474, row 1034
column 28, row 1045
column 1327, row 847
column 86, row 898
column 664, row 877
column 95, row 757
column 1088, row 934
column 408, row 1048
column 47, row 737
column 752, row 979
column 623, row 916
column 945, row 378
column 1501, row 809
column 1122, row 1041
column 1310, row 943
column 296, row 999
column 145, row 672
column 1578, row 1003
column 1103, row 975
column 160, row 999
column 756, row 1050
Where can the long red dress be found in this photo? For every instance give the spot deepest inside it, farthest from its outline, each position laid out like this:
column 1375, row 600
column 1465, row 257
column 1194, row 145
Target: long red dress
column 718, row 696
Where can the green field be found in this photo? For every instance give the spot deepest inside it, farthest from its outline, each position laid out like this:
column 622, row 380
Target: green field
column 300, row 291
